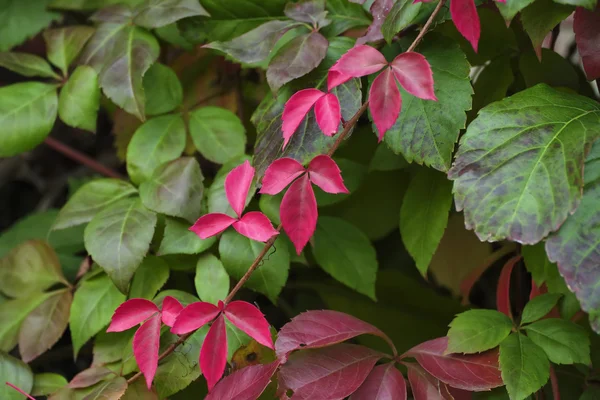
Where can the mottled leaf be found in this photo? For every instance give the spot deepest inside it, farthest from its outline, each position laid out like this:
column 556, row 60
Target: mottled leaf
column 245, row 384
column 108, row 390
column 12, row 314
column 64, row 44
column 399, row 17
column 89, row 377
column 157, row 13
column 344, row 15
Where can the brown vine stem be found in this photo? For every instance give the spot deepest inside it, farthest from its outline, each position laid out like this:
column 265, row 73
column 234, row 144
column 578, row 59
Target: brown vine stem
column 554, row 384
column 426, row 26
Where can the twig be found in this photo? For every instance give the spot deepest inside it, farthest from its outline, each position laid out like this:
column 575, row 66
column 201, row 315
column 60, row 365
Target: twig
column 426, row 26
column 554, row 383
column 347, row 127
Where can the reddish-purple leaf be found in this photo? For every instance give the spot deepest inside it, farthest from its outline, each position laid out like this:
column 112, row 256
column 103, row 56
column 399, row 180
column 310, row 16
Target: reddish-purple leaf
column 295, row 110
column 466, row 20
column 414, row 74
column 211, row 224
column 299, row 212
column 385, row 382
column 18, row 389
column 279, row 174
column 360, row 61
column 503, row 290
column 89, row 377
column 336, row 78
column 326, row 174
column 587, row 36
column 194, row 316
column 250, row 320
column 256, row 226
column 424, row 386
column 473, row 372
column 330, row 373
column 244, row 384
column 213, row 355
column 171, row 308
column 237, row 185
column 384, row 101
column 328, row 113
column 146, row 343
column 131, row 313
column 321, row 328
column 379, row 10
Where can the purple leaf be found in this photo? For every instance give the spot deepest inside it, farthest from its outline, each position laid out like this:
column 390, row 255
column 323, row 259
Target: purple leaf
column 211, row 224
column 244, row 384
column 131, row 313
column 213, row 355
column 237, row 185
column 194, row 316
column 279, row 174
column 424, row 386
column 384, row 101
column 146, row 343
column 298, row 212
column 295, row 110
column 328, row 114
column 249, row 319
column 256, row 226
column 587, row 35
column 385, row 382
column 310, row 11
column 379, row 10
column 326, row 174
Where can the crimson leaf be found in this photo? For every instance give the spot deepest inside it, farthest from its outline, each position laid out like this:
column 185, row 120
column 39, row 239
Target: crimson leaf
column 213, row 355
column 237, row 185
column 171, row 307
column 279, row 174
column 326, row 174
column 146, row 343
column 299, row 212
column 256, row 226
column 385, row 382
column 250, row 320
column 244, row 384
column 194, row 316
column 131, row 313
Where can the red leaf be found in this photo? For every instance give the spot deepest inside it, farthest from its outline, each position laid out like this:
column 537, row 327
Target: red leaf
column 131, row 313
column 473, row 372
column 503, row 290
column 213, row 355
column 384, row 101
column 256, row 226
column 244, row 384
column 385, row 382
column 296, row 109
column 146, row 343
column 194, row 316
column 171, row 308
column 299, row 212
column 360, row 61
column 329, row 373
column 414, row 74
column 89, row 377
column 250, row 320
column 279, row 174
column 336, row 78
column 211, row 224
column 587, row 36
column 315, row 329
column 326, row 174
column 328, row 113
column 237, row 185
column 424, row 386
column 466, row 20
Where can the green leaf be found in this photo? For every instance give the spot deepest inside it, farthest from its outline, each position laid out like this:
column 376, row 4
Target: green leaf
column 270, row 205
column 475, row 331
column 47, row 383
column 178, row 239
column 135, row 50
column 26, row 64
column 157, row 141
column 218, row 134
column 235, row 339
column 346, row 253
column 563, row 341
column 94, row 303
column 525, row 367
column 151, row 275
column 20, row 21
column 426, row 203
column 504, row 187
column 492, row 83
column 541, row 17
column 157, row 13
column 17, row 373
column 211, row 281
column 511, row 8
column 175, row 189
column 109, row 389
column 12, row 314
column 163, row 90
column 353, row 174
column 589, row 4
column 591, row 393
column 99, row 48
column 170, row 34
column 538, row 307
column 79, row 99
column 111, row 346
column 64, row 44
column 90, row 199
column 27, row 114
column 89, row 4
column 237, row 254
column 552, row 70
column 344, row 15
column 126, row 228
column 384, row 159
column 401, row 15
column 426, row 130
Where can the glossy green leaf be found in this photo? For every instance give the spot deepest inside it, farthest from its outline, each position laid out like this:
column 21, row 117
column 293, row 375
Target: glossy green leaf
column 400, row 16
column 211, row 281
column 26, row 64
column 218, row 134
column 175, row 189
column 237, row 253
column 178, row 239
column 12, row 314
column 184, row 298
column 563, row 341
column 353, row 174
column 151, row 275
column 344, row 15
column 157, row 141
column 511, row 8
column 20, row 21
column 79, row 99
column 552, row 69
column 64, row 44
column 541, row 17
column 94, row 303
column 47, row 383
column 475, row 331
column 126, row 228
column 157, row 13
column 538, row 307
column 17, row 373
column 27, row 114
column 163, row 90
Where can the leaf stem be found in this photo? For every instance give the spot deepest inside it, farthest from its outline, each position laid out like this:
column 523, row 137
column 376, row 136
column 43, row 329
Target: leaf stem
column 554, row 383
column 426, row 26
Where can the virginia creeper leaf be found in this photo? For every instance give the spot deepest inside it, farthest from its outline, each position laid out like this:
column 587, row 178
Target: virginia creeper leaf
column 344, row 16
column 162, row 89
column 423, row 385
column 146, row 342
column 295, row 111
column 256, row 226
column 540, row 18
column 12, row 313
column 237, row 185
column 217, row 133
column 213, row 356
column 131, row 313
column 64, row 44
column 509, row 9
column 211, row 281
column 212, row 224
column 538, row 307
column 26, row 64
column 279, row 174
column 413, row 72
column 586, row 34
column 249, row 319
column 475, row 331
column 359, row 61
column 384, row 382
column 17, row 373
column 379, row 10
column 178, row 239
column 194, row 316
column 139, row 391
column 79, row 99
column 326, row 174
column 400, row 16
column 171, row 308
column 563, row 341
column 309, row 11
column 99, row 48
column 328, row 114
column 245, row 384
column 299, row 212
column 384, row 102
column 464, row 16
column 157, row 13
column 151, row 275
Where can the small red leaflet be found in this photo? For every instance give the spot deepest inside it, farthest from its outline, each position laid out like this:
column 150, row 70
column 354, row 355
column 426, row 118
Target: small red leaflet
column 384, row 382
column 245, row 384
column 146, row 343
column 213, row 355
column 586, row 29
column 250, row 320
column 131, row 313
column 171, row 308
column 194, row 316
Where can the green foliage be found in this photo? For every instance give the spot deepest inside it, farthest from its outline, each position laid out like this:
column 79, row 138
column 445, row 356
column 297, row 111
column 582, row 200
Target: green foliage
column 211, row 281
column 47, row 383
column 538, row 307
column 79, row 100
column 16, row 372
column 218, row 134
column 475, row 331
column 563, row 341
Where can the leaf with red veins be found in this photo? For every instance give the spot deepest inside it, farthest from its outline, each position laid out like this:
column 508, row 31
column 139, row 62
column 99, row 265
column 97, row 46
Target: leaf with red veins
column 472, row 372
column 414, row 74
column 211, row 224
column 146, row 342
column 360, row 61
column 244, row 384
column 384, row 101
column 336, row 78
column 385, row 382
column 237, row 185
column 328, row 114
column 326, row 174
column 295, row 110
column 279, row 174
column 379, row 10
column 256, row 226
column 194, row 316
column 131, row 313
column 298, row 212
column 466, row 20
column 171, row 308
column 587, row 35
column 503, row 290
column 213, row 355
column 424, row 386
column 249, row 319
column 333, row 372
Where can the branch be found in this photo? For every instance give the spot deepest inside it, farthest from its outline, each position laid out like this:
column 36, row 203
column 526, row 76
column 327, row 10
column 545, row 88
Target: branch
column 426, row 26
column 554, row 383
